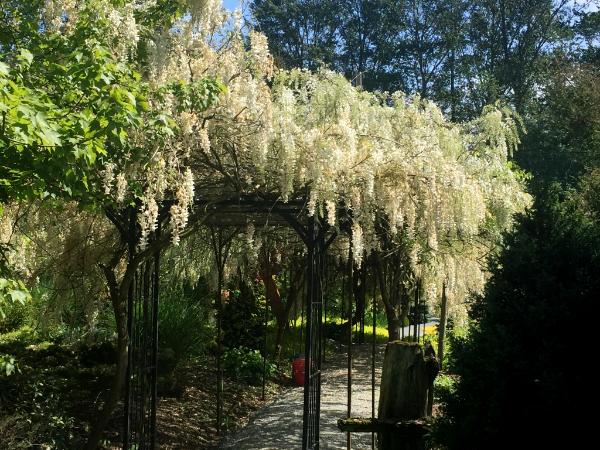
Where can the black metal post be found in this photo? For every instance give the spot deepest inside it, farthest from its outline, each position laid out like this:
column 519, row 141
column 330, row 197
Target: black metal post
column 424, row 320
column 310, row 434
column 308, row 355
column 221, row 245
column 142, row 326
column 415, row 314
column 126, row 416
column 219, row 305
column 373, row 359
column 362, row 301
column 218, row 244
column 349, row 315
column 321, row 246
column 154, row 374
column 324, row 286
column 402, row 326
column 302, row 311
column 418, row 313
column 313, row 349
column 264, row 375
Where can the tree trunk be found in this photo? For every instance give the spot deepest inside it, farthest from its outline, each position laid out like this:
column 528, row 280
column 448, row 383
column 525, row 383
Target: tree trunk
column 119, row 294
column 415, row 315
column 394, row 325
column 394, row 320
column 281, row 329
column 273, row 297
column 406, row 380
column 280, row 310
column 119, row 303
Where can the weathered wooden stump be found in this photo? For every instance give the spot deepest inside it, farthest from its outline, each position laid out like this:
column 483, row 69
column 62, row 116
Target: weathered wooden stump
column 405, row 398
column 406, row 385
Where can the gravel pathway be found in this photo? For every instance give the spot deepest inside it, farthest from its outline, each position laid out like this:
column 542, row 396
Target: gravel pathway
column 279, row 425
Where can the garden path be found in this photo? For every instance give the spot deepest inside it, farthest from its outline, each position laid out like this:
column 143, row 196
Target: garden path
column 279, row 425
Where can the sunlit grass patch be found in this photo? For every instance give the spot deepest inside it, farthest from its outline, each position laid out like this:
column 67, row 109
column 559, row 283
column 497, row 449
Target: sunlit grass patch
column 381, row 334
column 430, row 329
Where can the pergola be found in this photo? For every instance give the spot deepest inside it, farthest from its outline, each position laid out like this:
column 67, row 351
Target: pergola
column 143, row 299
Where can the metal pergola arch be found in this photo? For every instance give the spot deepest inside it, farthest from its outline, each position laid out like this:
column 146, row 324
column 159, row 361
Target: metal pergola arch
column 140, row 389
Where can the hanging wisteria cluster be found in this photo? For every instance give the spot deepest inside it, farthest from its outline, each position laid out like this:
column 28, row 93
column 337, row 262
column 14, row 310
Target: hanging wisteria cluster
column 300, row 135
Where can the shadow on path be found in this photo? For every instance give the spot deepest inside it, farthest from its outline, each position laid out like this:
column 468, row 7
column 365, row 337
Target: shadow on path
column 279, row 424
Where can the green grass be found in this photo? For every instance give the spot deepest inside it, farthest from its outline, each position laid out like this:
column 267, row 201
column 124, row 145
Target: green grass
column 293, row 340
column 381, row 334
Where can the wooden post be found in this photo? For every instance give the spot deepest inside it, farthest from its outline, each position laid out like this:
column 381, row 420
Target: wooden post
column 406, row 381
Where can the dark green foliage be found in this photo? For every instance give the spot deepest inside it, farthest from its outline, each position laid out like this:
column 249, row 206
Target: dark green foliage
column 525, row 368
column 588, row 29
column 15, row 316
column 243, row 318
column 64, row 106
column 168, row 384
column 590, row 192
column 92, row 355
column 50, row 388
column 335, row 330
column 184, row 326
column 563, row 139
column 444, row 387
column 247, row 365
column 68, row 105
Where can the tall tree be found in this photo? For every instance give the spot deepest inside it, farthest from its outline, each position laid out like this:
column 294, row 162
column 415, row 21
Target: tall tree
column 563, row 141
column 302, row 33
column 350, row 36
column 420, row 46
column 587, row 31
column 508, row 39
column 367, row 30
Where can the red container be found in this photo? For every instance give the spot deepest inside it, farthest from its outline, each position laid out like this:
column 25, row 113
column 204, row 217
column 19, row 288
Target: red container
column 298, row 370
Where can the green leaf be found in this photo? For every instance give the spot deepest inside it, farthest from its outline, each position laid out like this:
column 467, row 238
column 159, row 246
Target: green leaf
column 19, row 296
column 25, row 56
column 50, row 138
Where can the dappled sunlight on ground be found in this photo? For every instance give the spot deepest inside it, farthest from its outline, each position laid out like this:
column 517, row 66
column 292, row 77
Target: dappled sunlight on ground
column 279, row 424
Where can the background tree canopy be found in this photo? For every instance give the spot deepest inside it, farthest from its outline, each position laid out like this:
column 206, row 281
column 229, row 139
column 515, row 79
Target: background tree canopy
column 461, row 54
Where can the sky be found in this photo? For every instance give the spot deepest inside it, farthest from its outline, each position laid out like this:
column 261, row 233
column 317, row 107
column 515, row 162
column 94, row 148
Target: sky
column 591, row 5
column 231, row 4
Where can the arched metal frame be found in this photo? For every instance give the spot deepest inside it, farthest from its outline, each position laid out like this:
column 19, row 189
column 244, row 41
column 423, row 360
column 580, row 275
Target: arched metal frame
column 142, row 310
